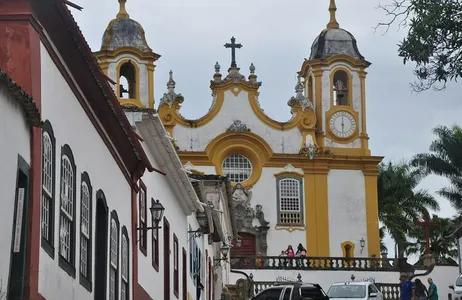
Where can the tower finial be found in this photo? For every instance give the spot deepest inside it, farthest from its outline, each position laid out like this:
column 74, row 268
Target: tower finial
column 333, row 24
column 122, row 12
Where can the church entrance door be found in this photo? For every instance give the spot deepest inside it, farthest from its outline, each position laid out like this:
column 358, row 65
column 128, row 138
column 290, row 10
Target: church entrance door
column 248, row 246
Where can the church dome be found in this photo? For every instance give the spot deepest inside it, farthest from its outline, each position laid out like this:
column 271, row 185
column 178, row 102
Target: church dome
column 124, row 32
column 334, row 40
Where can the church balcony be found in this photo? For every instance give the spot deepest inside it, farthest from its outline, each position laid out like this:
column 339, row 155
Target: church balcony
column 315, row 263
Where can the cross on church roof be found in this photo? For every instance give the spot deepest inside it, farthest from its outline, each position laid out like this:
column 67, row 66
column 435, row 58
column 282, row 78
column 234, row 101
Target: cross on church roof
column 233, row 47
column 427, row 224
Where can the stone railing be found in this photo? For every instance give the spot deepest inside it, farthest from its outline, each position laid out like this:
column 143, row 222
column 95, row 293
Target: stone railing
column 390, row 291
column 315, row 263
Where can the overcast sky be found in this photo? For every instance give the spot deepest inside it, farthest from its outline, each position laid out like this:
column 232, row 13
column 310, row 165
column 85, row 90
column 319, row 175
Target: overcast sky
column 277, row 37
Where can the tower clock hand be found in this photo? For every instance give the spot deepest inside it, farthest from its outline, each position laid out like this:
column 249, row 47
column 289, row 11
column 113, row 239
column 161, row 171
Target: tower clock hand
column 343, row 125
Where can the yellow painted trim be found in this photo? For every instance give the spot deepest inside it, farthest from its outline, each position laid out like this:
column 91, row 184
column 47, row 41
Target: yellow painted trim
column 372, row 211
column 277, row 160
column 290, row 228
column 150, row 69
column 247, row 144
column 317, row 213
column 104, row 55
column 364, row 137
column 289, row 173
column 348, row 243
column 317, row 63
column 136, row 101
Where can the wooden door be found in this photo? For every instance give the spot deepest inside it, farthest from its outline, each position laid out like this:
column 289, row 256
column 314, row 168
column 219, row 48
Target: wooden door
column 248, row 247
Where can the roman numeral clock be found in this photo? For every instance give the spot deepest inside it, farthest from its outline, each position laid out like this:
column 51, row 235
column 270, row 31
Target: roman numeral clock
column 342, row 124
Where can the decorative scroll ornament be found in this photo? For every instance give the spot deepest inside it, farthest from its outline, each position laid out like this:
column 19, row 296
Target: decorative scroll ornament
column 299, row 98
column 238, row 126
column 171, row 97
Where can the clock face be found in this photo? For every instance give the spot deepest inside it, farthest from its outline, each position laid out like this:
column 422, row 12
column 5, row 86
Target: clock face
column 342, row 124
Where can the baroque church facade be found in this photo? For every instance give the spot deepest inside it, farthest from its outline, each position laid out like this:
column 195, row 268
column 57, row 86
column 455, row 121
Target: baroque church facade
column 310, row 180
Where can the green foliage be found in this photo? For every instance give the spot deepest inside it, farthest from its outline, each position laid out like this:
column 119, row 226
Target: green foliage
column 434, row 39
column 400, row 202
column 445, row 159
column 443, row 243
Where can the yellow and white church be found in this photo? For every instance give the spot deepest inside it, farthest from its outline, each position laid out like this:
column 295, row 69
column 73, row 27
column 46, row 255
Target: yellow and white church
column 310, row 180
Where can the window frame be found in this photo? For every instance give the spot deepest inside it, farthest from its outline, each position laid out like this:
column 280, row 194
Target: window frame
column 127, row 281
column 143, row 233
column 86, row 281
column 48, row 244
column 68, row 265
column 155, row 243
column 185, row 275
column 176, row 266
column 279, row 180
column 236, row 158
column 116, row 267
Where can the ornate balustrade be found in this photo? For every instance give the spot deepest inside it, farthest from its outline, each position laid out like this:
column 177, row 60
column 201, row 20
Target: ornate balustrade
column 390, row 291
column 315, row 263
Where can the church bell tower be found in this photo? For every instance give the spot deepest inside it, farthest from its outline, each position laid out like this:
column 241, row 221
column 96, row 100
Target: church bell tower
column 334, row 80
column 126, row 58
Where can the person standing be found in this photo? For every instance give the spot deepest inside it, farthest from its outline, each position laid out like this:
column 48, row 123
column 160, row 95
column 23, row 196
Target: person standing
column 407, row 288
column 432, row 290
column 420, row 290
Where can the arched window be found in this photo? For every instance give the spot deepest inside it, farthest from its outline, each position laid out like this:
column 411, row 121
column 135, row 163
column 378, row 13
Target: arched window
column 290, row 200
column 85, row 230
column 125, row 287
column 237, row 168
column 348, row 249
column 127, row 81
column 67, row 211
column 310, row 89
column 340, row 86
column 114, row 256
column 48, row 188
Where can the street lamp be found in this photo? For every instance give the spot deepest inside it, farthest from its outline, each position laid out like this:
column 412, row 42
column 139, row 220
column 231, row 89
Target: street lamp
column 157, row 212
column 224, row 251
column 362, row 243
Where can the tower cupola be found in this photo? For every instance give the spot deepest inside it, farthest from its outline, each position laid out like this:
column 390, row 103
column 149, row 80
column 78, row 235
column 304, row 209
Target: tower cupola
column 334, row 40
column 126, row 58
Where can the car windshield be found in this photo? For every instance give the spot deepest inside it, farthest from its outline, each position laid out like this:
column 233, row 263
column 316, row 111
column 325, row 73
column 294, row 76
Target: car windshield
column 459, row 281
column 347, row 291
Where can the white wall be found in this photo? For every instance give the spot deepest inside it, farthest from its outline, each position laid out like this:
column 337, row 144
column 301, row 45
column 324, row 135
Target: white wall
column 264, row 193
column 15, row 139
column 72, row 126
column 347, row 210
column 159, row 187
column 236, row 108
column 443, row 276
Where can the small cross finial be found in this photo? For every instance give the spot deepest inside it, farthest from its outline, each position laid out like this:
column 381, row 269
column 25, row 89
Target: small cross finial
column 233, row 47
column 122, row 11
column 252, row 68
column 333, row 24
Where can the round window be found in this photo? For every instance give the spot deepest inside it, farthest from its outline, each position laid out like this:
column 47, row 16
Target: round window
column 237, row 168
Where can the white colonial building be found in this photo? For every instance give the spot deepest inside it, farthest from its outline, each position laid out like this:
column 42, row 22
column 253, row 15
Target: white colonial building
column 80, row 180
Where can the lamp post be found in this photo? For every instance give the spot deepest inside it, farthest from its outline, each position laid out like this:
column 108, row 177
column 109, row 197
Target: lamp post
column 157, row 213
column 362, row 243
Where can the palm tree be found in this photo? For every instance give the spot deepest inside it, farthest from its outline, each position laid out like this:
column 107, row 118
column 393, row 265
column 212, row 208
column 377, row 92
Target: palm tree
column 400, row 203
column 445, row 159
column 442, row 243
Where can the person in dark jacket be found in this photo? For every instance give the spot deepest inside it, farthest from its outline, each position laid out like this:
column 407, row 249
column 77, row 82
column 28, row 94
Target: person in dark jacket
column 421, row 291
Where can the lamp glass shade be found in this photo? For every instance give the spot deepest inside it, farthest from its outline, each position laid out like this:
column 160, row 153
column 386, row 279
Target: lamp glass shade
column 224, row 250
column 238, row 242
column 157, row 211
column 201, row 219
column 362, row 243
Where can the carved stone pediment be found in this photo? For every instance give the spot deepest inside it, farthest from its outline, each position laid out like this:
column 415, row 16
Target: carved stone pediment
column 238, row 126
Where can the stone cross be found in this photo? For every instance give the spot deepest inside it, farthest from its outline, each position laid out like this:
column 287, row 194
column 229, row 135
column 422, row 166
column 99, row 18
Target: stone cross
column 233, row 47
column 427, row 224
